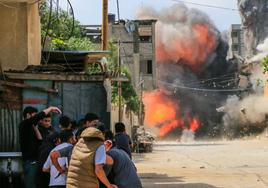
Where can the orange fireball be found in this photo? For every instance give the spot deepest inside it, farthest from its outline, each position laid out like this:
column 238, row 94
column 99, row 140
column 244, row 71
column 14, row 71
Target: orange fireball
column 193, row 52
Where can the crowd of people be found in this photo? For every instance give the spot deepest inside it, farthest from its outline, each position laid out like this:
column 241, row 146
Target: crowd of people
column 84, row 156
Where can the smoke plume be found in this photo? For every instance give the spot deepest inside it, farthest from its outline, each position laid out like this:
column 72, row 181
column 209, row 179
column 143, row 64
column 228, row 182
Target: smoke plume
column 263, row 51
column 253, row 108
column 185, row 36
column 190, row 53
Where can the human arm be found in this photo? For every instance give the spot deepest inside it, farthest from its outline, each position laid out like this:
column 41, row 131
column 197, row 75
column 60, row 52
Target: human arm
column 37, row 133
column 102, row 176
column 54, row 159
column 100, row 160
column 37, row 117
column 47, row 165
column 64, row 152
column 109, row 160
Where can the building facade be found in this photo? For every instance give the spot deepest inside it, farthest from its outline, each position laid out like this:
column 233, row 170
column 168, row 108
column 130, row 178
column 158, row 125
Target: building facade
column 137, row 50
column 236, row 41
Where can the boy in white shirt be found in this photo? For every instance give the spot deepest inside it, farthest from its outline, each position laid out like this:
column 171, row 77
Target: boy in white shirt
column 57, row 179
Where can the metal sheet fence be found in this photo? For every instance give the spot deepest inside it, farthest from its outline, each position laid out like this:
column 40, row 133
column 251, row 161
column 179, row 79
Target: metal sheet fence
column 9, row 130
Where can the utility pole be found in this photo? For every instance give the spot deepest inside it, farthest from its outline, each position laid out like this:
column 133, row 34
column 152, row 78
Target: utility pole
column 118, row 12
column 119, row 86
column 141, row 96
column 104, row 24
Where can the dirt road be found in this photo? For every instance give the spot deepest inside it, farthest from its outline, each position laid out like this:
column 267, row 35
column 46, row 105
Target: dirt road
column 224, row 164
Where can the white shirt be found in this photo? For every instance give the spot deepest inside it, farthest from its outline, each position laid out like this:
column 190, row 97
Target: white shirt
column 55, row 178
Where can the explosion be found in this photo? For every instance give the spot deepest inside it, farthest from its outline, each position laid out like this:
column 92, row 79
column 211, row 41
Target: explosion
column 189, row 49
column 192, row 53
column 164, row 112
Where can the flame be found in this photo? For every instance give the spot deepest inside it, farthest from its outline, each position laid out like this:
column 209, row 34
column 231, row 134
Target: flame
column 192, row 52
column 164, row 130
column 194, row 124
column 164, row 112
column 158, row 108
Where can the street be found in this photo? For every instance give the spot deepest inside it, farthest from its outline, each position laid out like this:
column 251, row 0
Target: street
column 225, row 164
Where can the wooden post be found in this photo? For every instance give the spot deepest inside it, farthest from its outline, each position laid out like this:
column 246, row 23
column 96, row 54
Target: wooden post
column 104, row 24
column 120, row 114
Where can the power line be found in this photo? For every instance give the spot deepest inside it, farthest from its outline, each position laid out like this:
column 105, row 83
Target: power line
column 200, row 89
column 205, row 5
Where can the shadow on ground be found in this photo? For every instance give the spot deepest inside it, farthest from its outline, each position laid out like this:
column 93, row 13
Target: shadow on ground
column 154, row 180
column 191, row 144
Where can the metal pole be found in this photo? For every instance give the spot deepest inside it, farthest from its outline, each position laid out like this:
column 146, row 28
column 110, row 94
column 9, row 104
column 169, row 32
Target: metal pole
column 119, row 86
column 118, row 12
column 104, row 24
column 140, row 110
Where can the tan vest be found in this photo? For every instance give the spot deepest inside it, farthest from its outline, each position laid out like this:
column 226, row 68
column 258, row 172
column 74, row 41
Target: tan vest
column 81, row 172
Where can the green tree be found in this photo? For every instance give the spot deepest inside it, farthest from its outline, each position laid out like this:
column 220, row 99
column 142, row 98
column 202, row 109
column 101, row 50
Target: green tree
column 62, row 29
column 264, row 64
column 129, row 94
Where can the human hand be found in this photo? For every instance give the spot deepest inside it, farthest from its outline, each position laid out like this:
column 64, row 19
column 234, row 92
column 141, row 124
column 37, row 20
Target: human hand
column 113, row 186
column 52, row 109
column 62, row 170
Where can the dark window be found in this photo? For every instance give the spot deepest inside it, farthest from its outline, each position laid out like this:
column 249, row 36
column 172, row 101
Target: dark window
column 145, row 38
column 234, row 34
column 149, row 67
column 235, row 47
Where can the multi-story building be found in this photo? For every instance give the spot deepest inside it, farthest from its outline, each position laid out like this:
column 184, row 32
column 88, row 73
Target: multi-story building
column 236, row 41
column 137, row 49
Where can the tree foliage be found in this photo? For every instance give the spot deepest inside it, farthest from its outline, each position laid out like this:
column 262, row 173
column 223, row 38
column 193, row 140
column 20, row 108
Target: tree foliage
column 264, row 64
column 129, row 94
column 62, row 30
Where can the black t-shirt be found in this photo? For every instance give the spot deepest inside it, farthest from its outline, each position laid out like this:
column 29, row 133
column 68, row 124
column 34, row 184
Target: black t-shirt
column 28, row 141
column 45, row 132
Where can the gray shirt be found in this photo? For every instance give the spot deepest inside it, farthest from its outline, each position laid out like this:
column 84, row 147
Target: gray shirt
column 123, row 170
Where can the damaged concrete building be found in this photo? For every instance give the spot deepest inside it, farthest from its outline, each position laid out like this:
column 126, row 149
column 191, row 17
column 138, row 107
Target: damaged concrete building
column 236, row 41
column 254, row 15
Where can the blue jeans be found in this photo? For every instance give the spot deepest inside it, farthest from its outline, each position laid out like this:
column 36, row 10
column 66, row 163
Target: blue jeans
column 30, row 170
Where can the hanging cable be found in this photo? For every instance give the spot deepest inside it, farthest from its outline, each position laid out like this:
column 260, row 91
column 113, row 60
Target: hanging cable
column 201, row 89
column 205, row 5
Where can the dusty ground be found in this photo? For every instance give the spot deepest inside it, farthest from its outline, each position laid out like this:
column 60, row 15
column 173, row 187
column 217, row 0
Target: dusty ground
column 228, row 164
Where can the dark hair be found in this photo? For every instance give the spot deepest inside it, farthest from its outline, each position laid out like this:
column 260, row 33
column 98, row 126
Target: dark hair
column 65, row 121
column 53, row 137
column 65, row 135
column 119, row 127
column 109, row 135
column 47, row 116
column 90, row 117
column 101, row 127
column 29, row 110
column 73, row 124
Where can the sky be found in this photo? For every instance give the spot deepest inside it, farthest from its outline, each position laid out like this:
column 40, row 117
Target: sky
column 90, row 11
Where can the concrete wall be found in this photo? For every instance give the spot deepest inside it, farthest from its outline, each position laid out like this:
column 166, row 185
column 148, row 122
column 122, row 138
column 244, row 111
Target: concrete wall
column 129, row 119
column 137, row 60
column 20, row 38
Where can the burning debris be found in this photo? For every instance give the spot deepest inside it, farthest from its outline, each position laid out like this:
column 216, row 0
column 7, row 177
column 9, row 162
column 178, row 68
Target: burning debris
column 191, row 61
